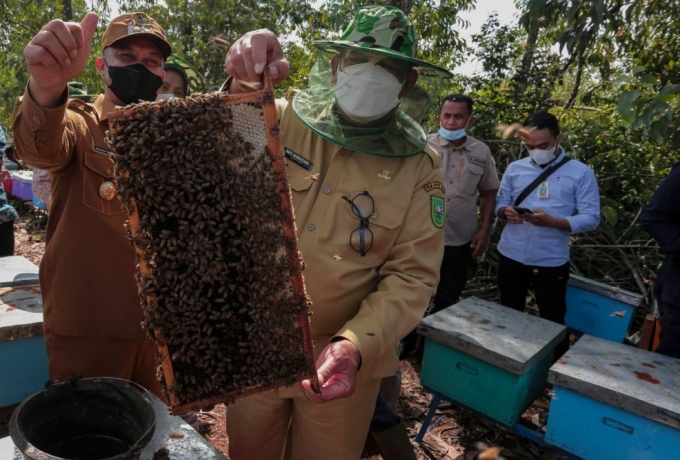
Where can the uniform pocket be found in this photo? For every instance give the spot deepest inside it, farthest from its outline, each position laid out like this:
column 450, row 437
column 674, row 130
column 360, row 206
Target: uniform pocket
column 467, row 186
column 300, row 182
column 98, row 171
column 384, row 225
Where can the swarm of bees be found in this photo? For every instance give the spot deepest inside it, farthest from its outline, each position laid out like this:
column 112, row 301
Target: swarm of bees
column 220, row 278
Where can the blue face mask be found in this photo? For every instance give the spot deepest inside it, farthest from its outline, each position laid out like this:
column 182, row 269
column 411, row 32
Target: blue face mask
column 452, row 135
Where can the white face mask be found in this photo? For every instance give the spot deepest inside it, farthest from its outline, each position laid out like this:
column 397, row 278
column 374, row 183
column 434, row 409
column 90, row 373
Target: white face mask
column 366, row 92
column 162, row 96
column 543, row 157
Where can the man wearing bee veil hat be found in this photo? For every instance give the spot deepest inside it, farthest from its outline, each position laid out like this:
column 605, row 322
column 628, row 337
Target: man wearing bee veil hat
column 92, row 313
column 369, row 207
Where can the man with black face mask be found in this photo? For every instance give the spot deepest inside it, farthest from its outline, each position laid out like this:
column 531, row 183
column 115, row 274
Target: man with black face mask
column 92, row 314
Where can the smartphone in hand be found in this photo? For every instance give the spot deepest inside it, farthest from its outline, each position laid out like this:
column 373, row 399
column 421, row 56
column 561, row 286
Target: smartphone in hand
column 521, row 210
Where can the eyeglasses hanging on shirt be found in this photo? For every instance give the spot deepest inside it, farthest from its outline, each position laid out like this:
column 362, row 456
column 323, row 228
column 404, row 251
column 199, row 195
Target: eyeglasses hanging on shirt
column 363, row 206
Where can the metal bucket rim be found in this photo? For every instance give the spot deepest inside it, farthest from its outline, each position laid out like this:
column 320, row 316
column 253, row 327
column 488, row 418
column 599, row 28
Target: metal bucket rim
column 20, row 440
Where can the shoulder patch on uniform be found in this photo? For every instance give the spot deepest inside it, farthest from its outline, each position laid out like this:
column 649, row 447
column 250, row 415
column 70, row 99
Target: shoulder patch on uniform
column 437, row 211
column 434, row 156
column 476, row 160
column 433, row 185
column 77, row 104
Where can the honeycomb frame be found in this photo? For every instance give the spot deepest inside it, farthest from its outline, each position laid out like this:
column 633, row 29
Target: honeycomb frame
column 139, row 137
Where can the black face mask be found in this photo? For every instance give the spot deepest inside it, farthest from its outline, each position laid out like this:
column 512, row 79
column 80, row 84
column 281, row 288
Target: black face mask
column 133, row 83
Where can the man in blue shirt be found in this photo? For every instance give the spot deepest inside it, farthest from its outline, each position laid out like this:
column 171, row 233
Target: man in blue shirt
column 534, row 246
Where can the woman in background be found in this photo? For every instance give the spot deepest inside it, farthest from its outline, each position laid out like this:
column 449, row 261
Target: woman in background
column 181, row 79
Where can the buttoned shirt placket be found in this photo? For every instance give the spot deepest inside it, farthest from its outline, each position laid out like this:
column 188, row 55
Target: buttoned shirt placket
column 321, row 192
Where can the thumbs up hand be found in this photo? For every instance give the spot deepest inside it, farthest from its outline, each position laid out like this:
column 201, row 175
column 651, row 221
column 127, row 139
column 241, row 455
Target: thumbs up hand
column 56, row 55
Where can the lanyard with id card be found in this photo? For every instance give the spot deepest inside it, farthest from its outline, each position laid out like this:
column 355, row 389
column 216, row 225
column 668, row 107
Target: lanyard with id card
column 540, row 181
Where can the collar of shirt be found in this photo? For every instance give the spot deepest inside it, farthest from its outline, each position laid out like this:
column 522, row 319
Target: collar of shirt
column 446, row 143
column 103, row 106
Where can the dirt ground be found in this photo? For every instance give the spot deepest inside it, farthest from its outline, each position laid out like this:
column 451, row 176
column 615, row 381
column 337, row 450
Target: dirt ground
column 455, row 433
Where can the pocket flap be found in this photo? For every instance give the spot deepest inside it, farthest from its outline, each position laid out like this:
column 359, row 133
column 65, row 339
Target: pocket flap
column 301, row 181
column 387, row 216
column 99, row 163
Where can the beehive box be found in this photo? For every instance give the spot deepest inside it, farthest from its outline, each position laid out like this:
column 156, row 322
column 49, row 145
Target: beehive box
column 22, row 185
column 38, row 203
column 490, row 358
column 615, row 401
column 23, row 358
column 17, row 271
column 204, row 183
column 599, row 309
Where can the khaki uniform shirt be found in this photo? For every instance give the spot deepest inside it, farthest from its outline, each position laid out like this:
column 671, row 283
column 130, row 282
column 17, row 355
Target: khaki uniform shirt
column 87, row 272
column 467, row 169
column 376, row 299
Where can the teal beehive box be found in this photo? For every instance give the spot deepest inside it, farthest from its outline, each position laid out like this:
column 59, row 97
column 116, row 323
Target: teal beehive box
column 599, row 309
column 490, row 358
column 614, row 401
column 23, row 358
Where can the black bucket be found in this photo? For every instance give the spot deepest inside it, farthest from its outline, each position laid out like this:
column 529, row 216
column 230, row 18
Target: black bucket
column 88, row 419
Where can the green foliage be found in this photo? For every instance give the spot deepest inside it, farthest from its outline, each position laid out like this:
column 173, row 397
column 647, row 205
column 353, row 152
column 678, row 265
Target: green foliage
column 617, row 107
column 501, row 94
column 613, row 80
column 20, row 20
column 191, row 26
column 639, row 37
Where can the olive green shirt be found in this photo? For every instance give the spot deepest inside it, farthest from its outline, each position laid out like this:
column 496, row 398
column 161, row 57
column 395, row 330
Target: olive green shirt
column 376, row 299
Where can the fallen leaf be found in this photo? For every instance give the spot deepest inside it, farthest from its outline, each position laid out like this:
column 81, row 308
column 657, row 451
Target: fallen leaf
column 436, row 443
column 492, row 453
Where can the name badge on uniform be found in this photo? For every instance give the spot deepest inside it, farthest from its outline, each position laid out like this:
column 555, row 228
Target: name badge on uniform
column 476, row 161
column 544, row 190
column 297, row 159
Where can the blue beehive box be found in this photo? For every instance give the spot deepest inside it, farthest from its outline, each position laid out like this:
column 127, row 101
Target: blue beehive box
column 487, row 357
column 614, row 401
column 38, row 203
column 23, row 358
column 600, row 309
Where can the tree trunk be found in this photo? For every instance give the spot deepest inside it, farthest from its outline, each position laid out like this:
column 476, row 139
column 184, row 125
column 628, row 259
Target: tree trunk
column 403, row 5
column 67, row 8
column 527, row 59
column 577, row 83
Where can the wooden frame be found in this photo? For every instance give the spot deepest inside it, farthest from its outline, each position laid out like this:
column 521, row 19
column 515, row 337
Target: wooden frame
column 264, row 99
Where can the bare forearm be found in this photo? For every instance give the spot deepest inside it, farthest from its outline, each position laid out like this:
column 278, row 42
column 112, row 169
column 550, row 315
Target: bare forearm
column 487, row 204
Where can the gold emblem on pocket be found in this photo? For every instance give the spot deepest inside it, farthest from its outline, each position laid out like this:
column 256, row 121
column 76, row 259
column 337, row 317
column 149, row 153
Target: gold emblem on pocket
column 107, row 191
column 385, row 174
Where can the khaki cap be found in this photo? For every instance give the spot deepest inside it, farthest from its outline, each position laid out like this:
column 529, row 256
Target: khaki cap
column 137, row 25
